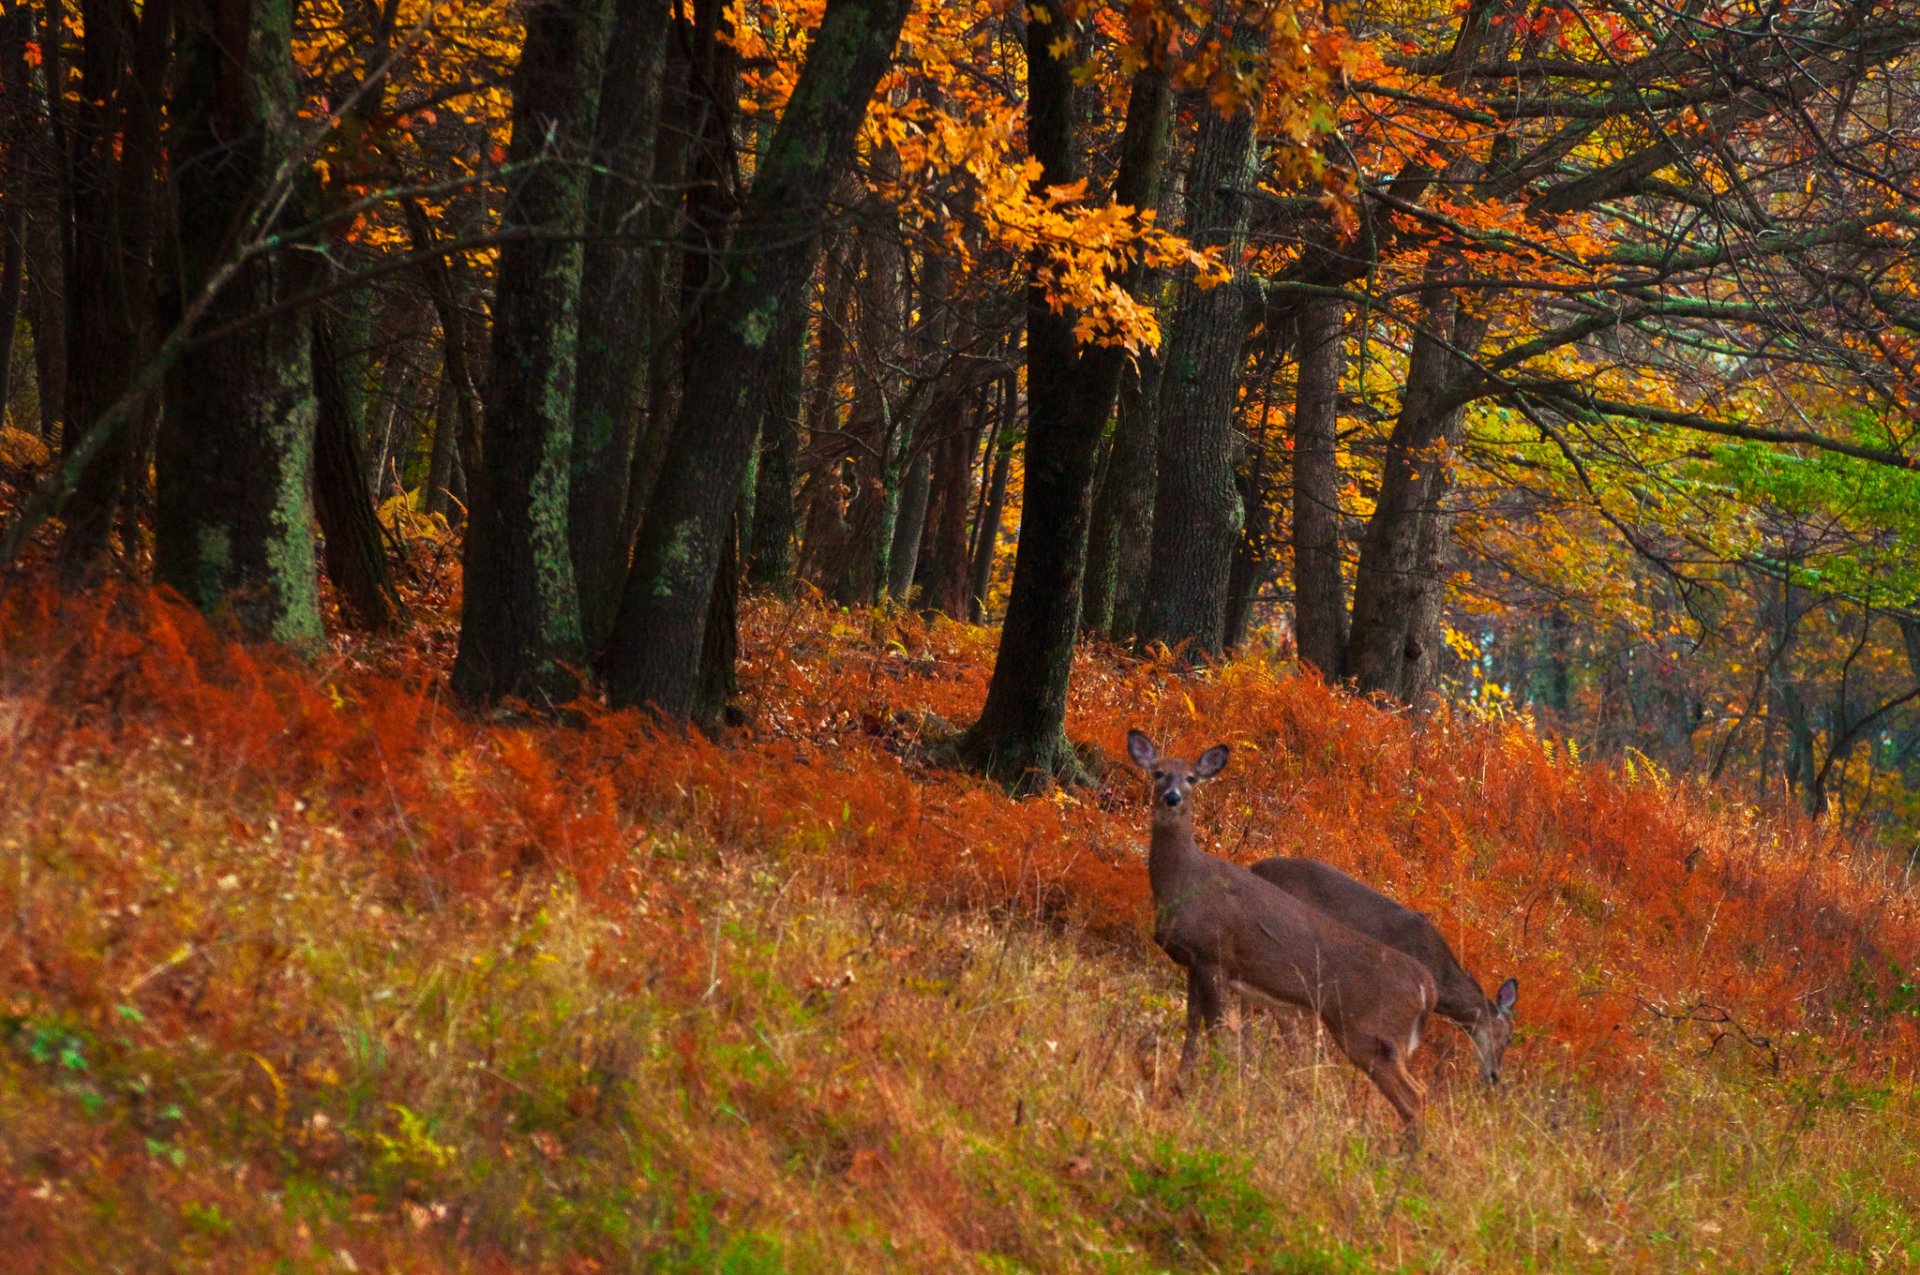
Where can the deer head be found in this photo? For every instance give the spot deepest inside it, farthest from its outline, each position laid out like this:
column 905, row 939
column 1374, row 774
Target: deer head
column 1494, row 1032
column 1173, row 779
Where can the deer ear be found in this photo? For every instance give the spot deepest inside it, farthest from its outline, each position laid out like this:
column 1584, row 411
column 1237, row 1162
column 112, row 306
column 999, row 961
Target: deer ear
column 1504, row 998
column 1141, row 749
column 1211, row 762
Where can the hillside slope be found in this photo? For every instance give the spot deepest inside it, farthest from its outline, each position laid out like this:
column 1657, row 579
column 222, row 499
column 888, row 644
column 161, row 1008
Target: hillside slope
column 305, row 968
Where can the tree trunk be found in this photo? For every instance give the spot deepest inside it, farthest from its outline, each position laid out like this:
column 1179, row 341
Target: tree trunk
column 444, row 290
column 770, row 559
column 18, row 127
column 654, row 657
column 720, row 644
column 13, row 232
column 1020, row 736
column 355, row 549
column 613, row 354
column 1319, row 595
column 1400, row 586
column 986, row 538
column 520, row 621
column 115, row 141
column 437, row 498
column 1120, row 544
column 1249, row 570
column 910, row 525
column 943, row 561
column 49, row 224
column 233, row 522
column 1197, row 513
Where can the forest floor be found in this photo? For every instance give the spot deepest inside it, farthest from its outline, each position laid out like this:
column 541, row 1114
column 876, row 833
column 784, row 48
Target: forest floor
column 305, row 970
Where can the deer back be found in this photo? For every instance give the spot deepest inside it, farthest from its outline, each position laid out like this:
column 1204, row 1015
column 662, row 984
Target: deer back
column 1358, row 905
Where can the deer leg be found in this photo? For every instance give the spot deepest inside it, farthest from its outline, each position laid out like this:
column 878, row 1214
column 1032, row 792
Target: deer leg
column 1386, row 1067
column 1203, row 1011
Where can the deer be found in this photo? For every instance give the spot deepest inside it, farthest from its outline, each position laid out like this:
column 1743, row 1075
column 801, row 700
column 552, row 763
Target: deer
column 1488, row 1021
column 1233, row 931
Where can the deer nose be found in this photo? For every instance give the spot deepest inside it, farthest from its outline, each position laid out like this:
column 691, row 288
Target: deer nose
column 1173, row 797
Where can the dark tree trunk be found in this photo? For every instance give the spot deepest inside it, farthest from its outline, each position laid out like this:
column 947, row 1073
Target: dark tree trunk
column 1197, row 513
column 910, row 525
column 13, row 233
column 613, row 355
column 355, row 549
column 987, row 536
column 49, row 224
column 1250, row 562
column 654, row 657
column 826, row 531
column 720, row 644
column 233, row 523
column 1021, row 734
column 114, row 134
column 770, row 559
column 19, row 127
column 520, row 619
column 437, row 499
column 1120, row 544
column 943, row 560
column 881, row 424
column 1319, row 595
column 444, row 290
column 1400, row 586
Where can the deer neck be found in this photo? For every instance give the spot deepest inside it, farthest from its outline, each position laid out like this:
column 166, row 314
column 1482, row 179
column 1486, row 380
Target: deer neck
column 1172, row 850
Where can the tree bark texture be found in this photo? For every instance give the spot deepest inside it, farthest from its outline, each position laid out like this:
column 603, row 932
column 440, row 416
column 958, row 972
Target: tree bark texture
column 1020, row 736
column 520, row 619
column 986, row 542
column 444, row 290
column 770, row 557
column 114, row 139
column 910, row 524
column 942, row 574
column 355, row 547
column 1400, row 585
column 613, row 344
column 654, row 657
column 1197, row 513
column 233, row 522
column 1319, row 594
column 1120, row 544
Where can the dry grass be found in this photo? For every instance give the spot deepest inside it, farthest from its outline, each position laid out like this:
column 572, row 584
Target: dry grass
column 303, row 969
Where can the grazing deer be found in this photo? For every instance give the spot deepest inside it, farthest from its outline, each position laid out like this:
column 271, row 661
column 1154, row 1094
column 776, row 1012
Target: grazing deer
column 1232, row 931
column 1487, row 1022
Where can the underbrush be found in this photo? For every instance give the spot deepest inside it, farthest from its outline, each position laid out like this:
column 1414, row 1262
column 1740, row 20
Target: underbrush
column 306, row 971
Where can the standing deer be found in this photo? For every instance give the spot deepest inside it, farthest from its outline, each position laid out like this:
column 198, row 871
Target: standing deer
column 1487, row 1022
column 1231, row 930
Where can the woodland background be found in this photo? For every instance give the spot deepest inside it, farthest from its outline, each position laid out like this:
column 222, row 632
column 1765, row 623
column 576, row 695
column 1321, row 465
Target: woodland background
column 1556, row 360
column 1494, row 420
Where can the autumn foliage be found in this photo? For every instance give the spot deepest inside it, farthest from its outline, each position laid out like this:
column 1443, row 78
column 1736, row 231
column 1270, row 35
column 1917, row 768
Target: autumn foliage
column 1622, row 901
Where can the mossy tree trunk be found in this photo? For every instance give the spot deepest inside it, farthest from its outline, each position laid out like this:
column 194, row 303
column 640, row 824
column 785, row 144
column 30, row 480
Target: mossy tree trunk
column 654, row 658
column 233, row 519
column 613, row 354
column 520, row 621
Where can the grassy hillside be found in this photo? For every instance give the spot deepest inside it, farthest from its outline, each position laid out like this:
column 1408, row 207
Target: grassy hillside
column 302, row 970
